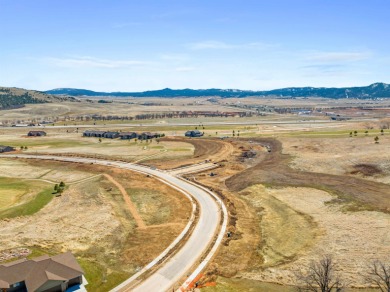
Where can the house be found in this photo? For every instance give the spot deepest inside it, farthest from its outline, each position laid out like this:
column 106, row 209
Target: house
column 194, row 133
column 6, row 149
column 339, row 118
column 36, row 133
column 128, row 135
column 111, row 135
column 43, row 274
column 90, row 133
column 147, row 135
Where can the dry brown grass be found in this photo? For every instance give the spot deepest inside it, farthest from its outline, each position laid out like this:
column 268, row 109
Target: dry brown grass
column 91, row 220
column 354, row 239
column 276, row 231
column 274, row 170
column 357, row 156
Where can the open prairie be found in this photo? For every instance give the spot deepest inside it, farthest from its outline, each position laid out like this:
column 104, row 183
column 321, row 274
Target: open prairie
column 286, row 216
column 90, row 218
column 296, row 187
column 65, row 143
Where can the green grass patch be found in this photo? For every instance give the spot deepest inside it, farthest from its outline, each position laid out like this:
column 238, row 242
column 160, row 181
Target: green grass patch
column 98, row 278
column 30, row 207
column 37, row 251
column 11, row 191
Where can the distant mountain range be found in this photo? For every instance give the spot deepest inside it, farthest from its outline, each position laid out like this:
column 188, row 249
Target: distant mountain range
column 11, row 97
column 376, row 90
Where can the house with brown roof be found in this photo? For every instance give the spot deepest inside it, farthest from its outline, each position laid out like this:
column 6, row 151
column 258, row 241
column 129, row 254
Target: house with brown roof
column 43, row 274
column 36, row 133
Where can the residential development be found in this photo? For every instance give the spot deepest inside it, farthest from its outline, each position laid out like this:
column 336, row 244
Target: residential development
column 56, row 274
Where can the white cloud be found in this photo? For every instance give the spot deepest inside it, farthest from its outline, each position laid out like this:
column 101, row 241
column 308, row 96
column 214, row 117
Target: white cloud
column 184, row 69
column 217, row 45
column 91, row 62
column 174, row 57
column 333, row 57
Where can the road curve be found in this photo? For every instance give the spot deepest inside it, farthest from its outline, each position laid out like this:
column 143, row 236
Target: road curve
column 170, row 273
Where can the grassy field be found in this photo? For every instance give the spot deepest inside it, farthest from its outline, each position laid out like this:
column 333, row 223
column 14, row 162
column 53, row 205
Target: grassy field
column 90, row 218
column 286, row 232
column 10, row 192
column 97, row 276
column 74, row 143
column 287, row 222
column 152, row 206
column 22, row 198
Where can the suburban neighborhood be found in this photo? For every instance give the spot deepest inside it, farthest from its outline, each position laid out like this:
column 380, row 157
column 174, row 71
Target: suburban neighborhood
column 122, row 135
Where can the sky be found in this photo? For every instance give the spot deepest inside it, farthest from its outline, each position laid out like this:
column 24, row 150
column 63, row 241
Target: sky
column 138, row 45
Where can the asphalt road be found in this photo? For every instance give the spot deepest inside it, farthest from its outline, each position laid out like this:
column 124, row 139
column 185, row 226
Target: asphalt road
column 168, row 276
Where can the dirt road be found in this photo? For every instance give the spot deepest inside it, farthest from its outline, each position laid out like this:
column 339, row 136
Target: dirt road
column 133, row 210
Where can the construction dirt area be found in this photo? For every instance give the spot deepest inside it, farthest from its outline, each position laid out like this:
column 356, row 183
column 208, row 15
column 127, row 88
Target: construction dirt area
column 210, row 150
column 285, row 213
column 115, row 221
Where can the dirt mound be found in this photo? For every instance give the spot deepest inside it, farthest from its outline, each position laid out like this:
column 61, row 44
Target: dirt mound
column 273, row 169
column 366, row 169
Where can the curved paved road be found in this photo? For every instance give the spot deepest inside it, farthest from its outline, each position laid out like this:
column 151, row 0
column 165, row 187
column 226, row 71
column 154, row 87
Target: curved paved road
column 180, row 263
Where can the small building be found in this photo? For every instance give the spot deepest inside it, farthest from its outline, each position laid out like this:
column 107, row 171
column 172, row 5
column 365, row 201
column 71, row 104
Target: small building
column 54, row 274
column 194, row 133
column 339, row 118
column 147, row 135
column 128, row 135
column 90, row 133
column 36, row 133
column 111, row 135
column 6, row 149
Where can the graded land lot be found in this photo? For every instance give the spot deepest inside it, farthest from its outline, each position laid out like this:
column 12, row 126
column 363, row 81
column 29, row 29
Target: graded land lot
column 210, row 150
column 91, row 218
column 282, row 218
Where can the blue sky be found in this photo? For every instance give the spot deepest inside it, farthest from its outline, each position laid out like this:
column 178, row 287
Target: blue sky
column 139, row 45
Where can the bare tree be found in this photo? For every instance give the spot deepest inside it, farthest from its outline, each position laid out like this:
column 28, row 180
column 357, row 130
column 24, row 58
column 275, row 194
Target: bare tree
column 320, row 277
column 379, row 275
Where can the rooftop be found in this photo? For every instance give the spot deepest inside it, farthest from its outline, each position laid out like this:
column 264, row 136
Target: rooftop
column 36, row 272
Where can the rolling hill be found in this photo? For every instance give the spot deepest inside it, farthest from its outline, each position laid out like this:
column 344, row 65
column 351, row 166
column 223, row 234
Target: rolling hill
column 376, row 90
column 11, row 97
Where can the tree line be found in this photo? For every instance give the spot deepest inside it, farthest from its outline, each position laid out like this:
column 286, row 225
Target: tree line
column 322, row 276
